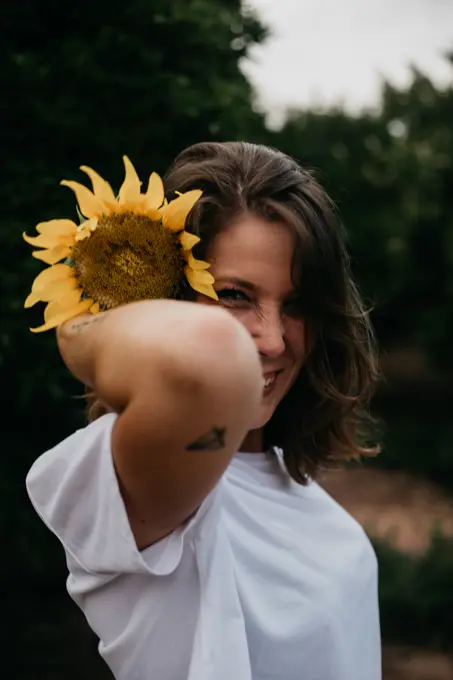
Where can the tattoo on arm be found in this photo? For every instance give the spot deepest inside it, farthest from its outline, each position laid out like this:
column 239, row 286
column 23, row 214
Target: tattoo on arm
column 78, row 325
column 211, row 441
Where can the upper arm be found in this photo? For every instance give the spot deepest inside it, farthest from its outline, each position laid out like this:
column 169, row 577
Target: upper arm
column 178, row 433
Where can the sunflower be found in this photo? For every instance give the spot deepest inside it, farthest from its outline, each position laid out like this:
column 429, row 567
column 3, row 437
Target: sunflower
column 127, row 248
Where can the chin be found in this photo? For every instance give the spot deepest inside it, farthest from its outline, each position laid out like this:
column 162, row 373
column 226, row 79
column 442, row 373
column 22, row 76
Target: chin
column 264, row 415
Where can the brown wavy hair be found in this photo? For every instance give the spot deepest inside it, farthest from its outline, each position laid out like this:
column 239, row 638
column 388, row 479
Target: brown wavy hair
column 324, row 418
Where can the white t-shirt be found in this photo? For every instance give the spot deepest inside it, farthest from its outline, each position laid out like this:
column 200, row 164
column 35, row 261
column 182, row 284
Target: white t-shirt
column 268, row 581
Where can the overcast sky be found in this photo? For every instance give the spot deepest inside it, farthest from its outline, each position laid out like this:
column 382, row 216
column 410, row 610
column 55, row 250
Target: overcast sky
column 325, row 52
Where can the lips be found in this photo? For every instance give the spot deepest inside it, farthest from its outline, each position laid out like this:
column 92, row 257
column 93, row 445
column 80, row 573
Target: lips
column 269, row 378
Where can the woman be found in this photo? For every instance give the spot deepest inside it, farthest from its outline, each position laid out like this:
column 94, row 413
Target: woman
column 198, row 544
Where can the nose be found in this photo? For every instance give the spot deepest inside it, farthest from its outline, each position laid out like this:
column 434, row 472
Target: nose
column 268, row 334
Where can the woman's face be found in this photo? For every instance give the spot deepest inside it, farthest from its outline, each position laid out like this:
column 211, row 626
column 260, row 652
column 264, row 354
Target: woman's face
column 251, row 263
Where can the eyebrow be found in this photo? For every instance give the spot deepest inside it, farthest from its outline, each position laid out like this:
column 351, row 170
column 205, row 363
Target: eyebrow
column 238, row 282
column 293, row 295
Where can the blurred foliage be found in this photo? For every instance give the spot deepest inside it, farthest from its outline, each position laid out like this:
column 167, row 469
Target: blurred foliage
column 416, row 595
column 89, row 82
column 391, row 175
column 418, row 434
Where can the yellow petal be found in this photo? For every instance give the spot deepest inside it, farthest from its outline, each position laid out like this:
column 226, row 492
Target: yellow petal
column 31, row 300
column 154, row 196
column 130, row 189
column 57, row 227
column 63, row 304
column 53, row 255
column 44, row 240
column 207, row 290
column 57, row 289
column 58, row 272
column 82, row 234
column 91, row 224
column 205, row 277
column 200, row 276
column 95, row 308
column 52, row 233
column 88, row 226
column 175, row 213
column 197, row 281
column 58, row 319
column 101, row 188
column 188, row 241
column 52, row 291
column 85, row 229
column 89, row 204
column 193, row 262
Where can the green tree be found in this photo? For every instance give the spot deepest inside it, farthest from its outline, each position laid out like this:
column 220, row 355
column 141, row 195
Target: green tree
column 420, row 163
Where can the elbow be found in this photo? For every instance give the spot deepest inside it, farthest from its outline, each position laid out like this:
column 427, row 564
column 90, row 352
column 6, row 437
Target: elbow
column 222, row 355
column 191, row 347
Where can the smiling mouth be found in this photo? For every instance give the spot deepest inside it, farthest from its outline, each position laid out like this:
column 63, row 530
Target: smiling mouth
column 269, row 380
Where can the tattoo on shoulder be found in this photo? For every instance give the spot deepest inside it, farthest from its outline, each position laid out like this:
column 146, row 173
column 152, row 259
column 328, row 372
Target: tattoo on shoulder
column 211, row 441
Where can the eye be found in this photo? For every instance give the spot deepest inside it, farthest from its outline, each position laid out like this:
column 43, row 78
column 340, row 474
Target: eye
column 232, row 296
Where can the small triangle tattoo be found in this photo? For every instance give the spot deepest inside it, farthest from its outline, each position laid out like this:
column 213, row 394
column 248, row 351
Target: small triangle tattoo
column 211, row 441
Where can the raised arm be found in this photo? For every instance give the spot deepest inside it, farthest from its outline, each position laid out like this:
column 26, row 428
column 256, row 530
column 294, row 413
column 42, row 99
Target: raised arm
column 186, row 382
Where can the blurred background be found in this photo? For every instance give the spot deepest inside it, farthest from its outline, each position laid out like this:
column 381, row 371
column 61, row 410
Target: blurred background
column 360, row 91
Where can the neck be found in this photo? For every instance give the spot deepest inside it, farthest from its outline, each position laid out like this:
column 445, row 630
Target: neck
column 253, row 442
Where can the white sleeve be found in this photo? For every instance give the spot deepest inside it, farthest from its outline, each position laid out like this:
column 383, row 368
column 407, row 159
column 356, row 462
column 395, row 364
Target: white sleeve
column 74, row 489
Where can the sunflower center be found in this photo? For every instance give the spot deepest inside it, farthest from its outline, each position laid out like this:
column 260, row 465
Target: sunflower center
column 127, row 258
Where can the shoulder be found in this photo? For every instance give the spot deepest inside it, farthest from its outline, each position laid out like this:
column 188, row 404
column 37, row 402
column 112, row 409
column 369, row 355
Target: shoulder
column 74, row 489
column 348, row 536
column 80, row 451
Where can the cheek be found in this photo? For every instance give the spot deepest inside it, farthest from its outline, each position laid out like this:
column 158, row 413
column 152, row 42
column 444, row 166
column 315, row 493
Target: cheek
column 295, row 332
